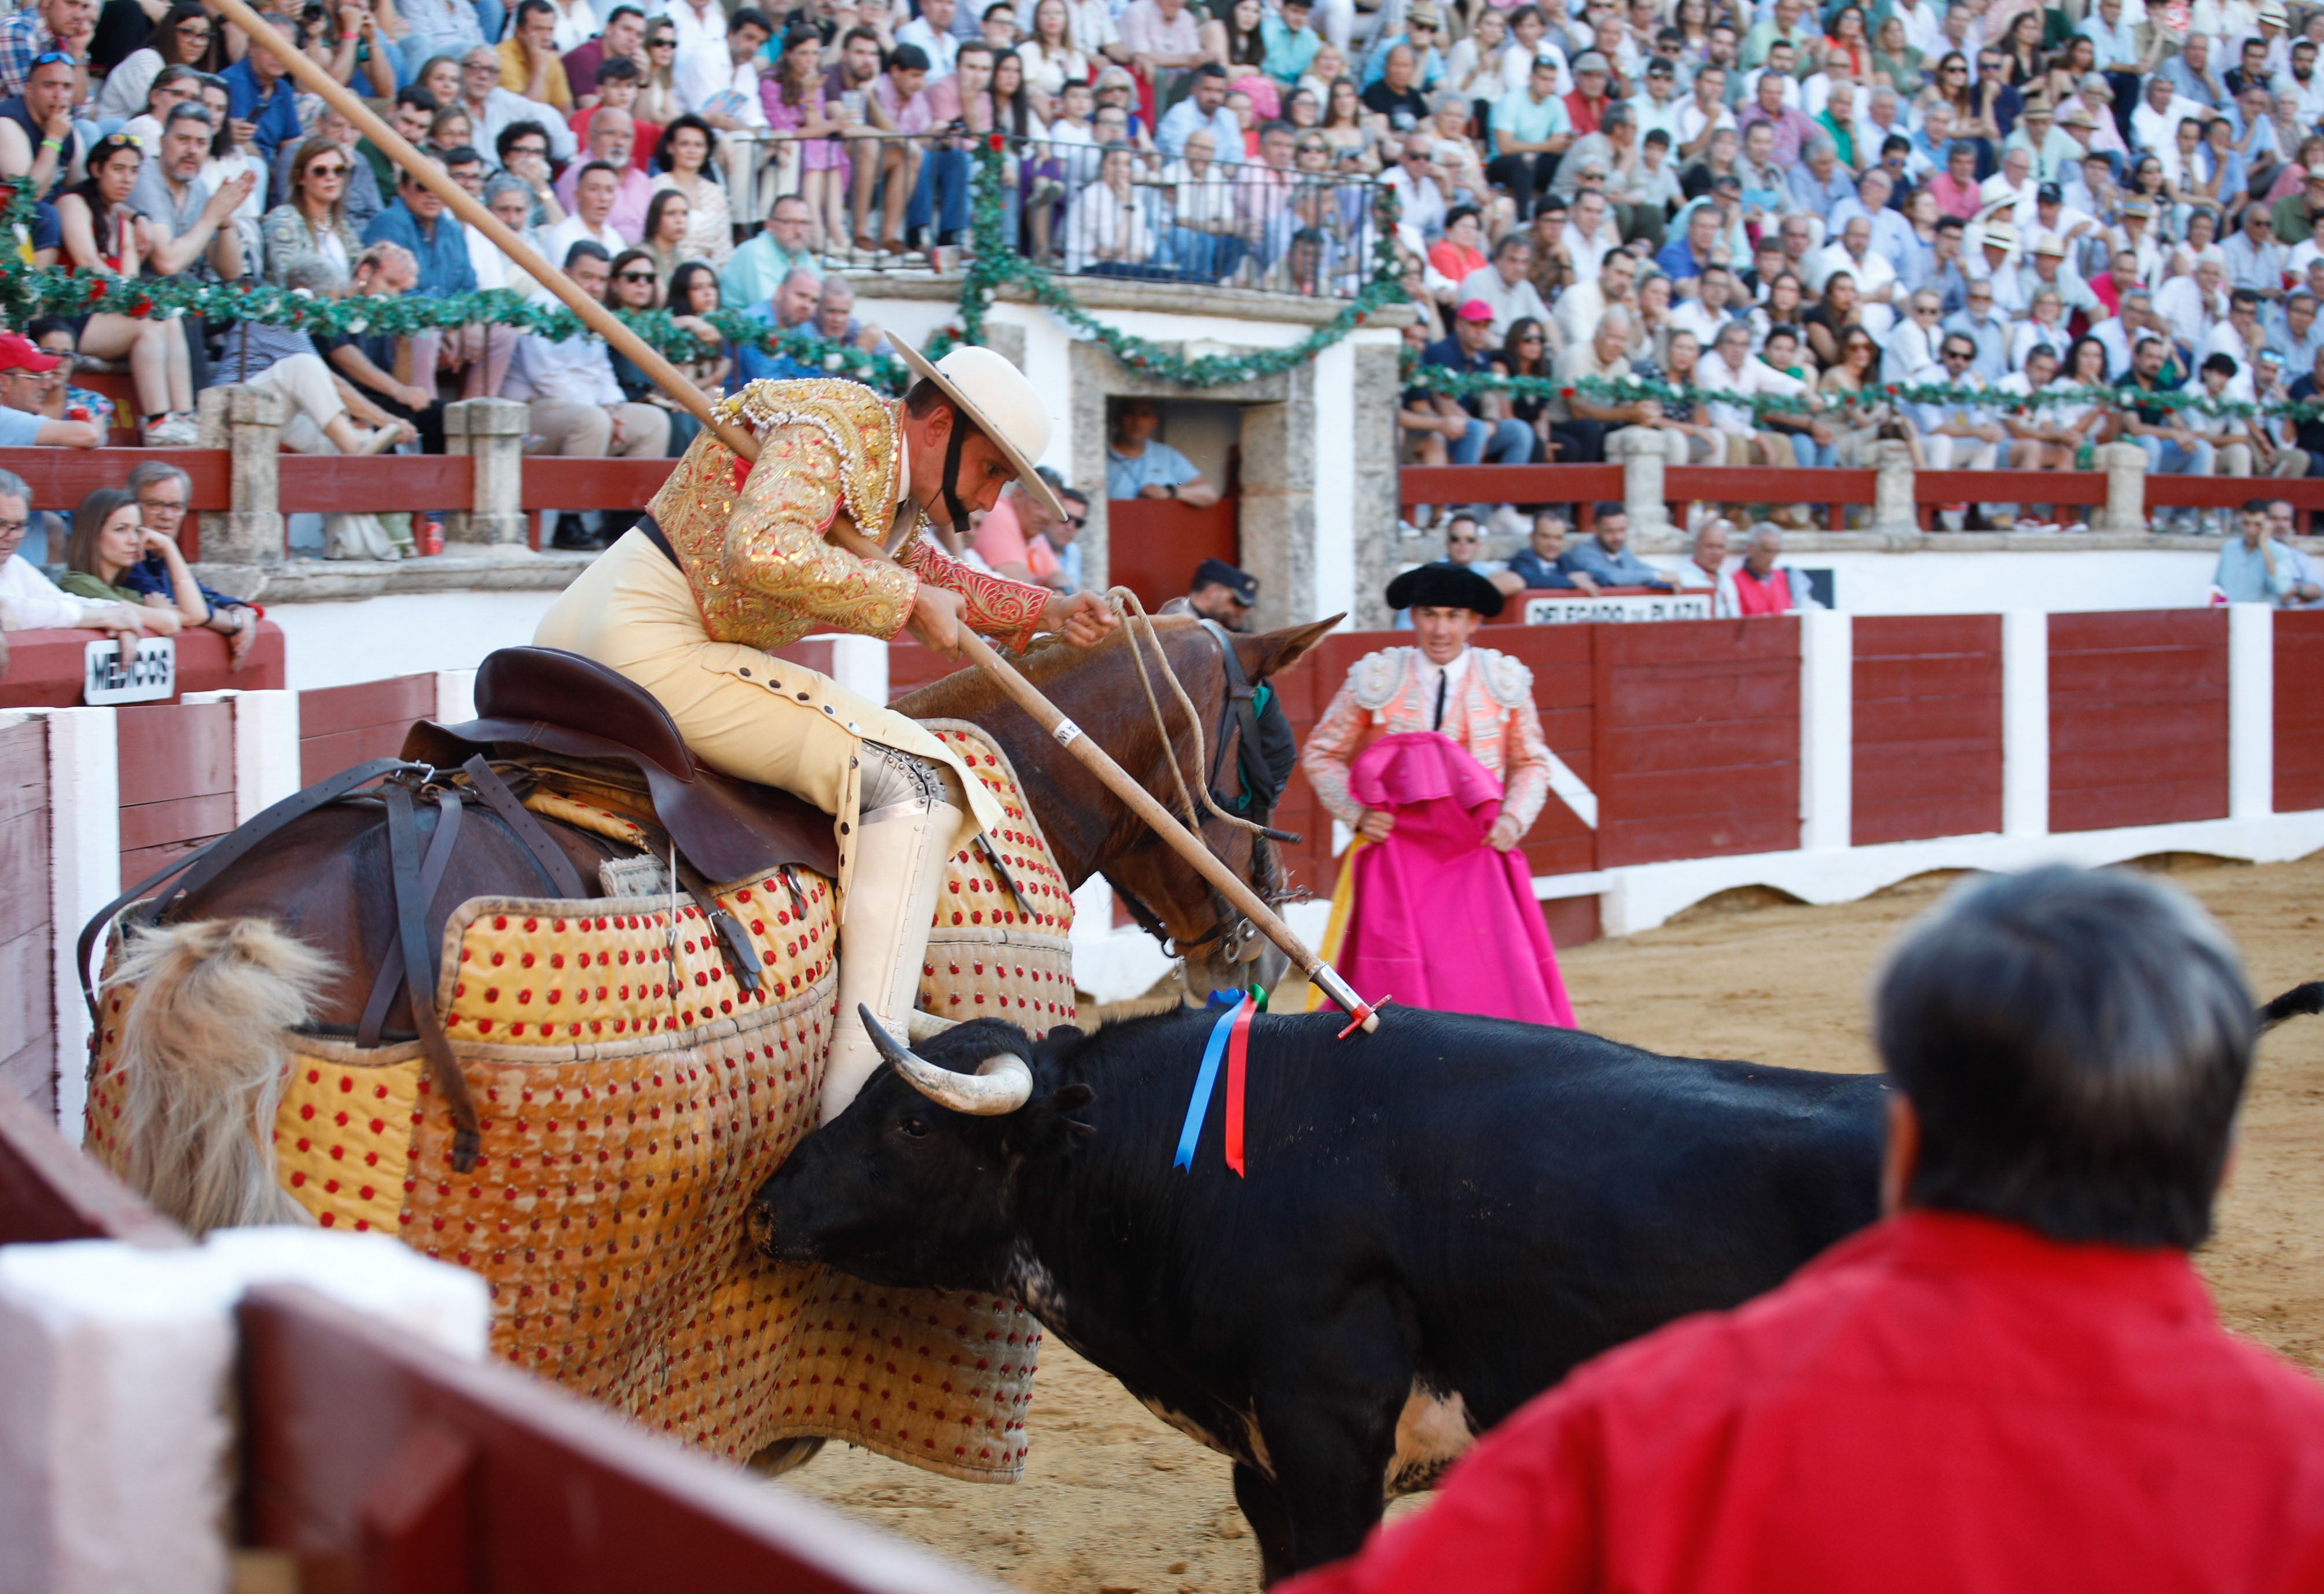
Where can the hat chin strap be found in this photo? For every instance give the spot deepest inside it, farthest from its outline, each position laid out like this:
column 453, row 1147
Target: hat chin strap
column 951, row 482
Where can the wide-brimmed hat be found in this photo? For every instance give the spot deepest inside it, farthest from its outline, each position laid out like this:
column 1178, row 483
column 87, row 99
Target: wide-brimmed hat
column 1444, row 586
column 984, row 388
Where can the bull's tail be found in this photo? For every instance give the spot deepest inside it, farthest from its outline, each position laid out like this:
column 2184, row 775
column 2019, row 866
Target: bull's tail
column 2299, row 1001
column 204, row 1047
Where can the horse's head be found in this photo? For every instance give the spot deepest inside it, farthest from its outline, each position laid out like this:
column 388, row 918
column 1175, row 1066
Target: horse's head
column 1092, row 831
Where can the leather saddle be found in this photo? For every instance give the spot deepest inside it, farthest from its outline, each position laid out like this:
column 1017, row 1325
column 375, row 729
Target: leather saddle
column 544, row 700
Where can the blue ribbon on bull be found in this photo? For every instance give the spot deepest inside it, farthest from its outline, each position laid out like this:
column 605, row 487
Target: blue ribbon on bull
column 1207, row 1081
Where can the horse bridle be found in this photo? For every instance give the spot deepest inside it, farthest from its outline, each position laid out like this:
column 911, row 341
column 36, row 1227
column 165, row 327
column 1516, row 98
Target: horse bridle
column 1237, row 713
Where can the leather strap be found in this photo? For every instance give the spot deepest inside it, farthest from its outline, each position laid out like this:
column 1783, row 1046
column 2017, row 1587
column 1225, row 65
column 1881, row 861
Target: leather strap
column 563, row 878
column 208, row 861
column 655, row 535
column 741, row 955
column 432, row 876
column 419, row 965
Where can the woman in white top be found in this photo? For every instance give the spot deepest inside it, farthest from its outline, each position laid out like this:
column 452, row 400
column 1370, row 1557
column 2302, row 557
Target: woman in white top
column 1472, row 68
column 1529, row 31
column 229, row 161
column 1051, row 58
column 576, row 24
column 688, row 158
column 181, row 38
column 658, row 100
column 1109, row 230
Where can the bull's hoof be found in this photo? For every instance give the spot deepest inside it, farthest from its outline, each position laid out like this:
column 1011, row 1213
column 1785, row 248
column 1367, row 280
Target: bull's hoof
column 785, row 1455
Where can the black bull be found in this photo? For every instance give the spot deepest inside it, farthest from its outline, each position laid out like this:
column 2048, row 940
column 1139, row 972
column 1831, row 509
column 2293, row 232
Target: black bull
column 1439, row 1222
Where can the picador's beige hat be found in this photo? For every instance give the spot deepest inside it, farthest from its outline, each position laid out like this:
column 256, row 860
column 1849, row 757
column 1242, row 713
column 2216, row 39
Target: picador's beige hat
column 986, row 389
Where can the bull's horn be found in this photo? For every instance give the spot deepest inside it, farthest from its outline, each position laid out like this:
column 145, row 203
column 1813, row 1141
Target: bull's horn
column 926, row 1026
column 1001, row 1084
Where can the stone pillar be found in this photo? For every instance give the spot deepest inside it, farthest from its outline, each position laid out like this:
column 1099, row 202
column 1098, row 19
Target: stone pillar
column 1892, row 511
column 2125, row 514
column 247, row 421
column 1376, row 509
column 1278, row 520
column 491, row 431
column 1642, row 454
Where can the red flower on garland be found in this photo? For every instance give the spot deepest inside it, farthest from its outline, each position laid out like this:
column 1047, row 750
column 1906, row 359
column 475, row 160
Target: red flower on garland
column 96, row 292
column 1566, row 393
column 995, row 142
column 142, row 309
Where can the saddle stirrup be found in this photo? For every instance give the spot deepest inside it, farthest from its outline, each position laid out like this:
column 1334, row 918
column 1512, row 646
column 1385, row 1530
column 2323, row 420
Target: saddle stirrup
column 899, row 870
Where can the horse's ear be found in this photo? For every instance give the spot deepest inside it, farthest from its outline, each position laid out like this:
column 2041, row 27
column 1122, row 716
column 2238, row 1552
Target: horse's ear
column 1271, row 653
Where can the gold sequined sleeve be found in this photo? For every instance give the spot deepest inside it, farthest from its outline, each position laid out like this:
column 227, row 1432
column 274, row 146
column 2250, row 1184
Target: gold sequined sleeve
column 775, row 540
column 1008, row 611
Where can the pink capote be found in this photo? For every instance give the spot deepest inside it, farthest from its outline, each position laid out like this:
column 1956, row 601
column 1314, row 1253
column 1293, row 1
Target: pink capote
column 1440, row 919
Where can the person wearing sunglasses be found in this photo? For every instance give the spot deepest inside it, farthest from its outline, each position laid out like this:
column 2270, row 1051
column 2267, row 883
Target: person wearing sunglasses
column 52, row 28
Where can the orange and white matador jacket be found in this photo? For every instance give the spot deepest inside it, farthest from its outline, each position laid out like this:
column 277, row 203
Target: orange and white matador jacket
column 756, row 570
column 1490, row 712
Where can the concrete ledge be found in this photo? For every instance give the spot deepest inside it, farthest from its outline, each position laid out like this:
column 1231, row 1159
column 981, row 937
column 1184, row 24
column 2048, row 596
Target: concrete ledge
column 496, row 569
column 1114, row 293
column 1966, row 542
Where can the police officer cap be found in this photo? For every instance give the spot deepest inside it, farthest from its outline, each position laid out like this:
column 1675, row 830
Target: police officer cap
column 1444, row 586
column 1219, row 572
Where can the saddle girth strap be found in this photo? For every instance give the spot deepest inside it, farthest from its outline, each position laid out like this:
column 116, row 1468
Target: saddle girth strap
column 207, row 861
column 741, row 955
column 563, row 878
column 432, row 876
column 419, row 978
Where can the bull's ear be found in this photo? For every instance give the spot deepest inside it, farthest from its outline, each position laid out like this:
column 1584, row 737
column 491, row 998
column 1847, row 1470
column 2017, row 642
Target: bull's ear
column 1072, row 1096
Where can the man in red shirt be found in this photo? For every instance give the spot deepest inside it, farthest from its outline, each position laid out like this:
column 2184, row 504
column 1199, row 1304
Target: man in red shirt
column 2014, row 1383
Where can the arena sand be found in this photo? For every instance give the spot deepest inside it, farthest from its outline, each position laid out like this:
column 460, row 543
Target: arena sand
column 1113, row 1501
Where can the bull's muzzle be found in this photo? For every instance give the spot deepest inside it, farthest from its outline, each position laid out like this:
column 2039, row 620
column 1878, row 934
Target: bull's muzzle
column 1002, row 1083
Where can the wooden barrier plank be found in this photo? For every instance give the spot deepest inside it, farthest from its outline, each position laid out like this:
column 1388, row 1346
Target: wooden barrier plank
column 552, row 481
column 1508, row 483
column 2298, row 710
column 1695, row 483
column 174, row 750
column 321, row 483
column 46, row 668
column 1926, row 717
column 341, row 726
column 49, row 1192
column 60, row 478
column 2138, row 718
column 345, row 1421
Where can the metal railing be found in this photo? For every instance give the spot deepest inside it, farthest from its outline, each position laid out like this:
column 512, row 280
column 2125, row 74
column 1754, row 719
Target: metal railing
column 906, row 202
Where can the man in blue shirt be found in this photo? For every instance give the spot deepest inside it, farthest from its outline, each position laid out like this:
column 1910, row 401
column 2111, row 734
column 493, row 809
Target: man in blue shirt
column 259, row 92
column 2254, row 568
column 1138, row 467
column 1205, row 106
column 1605, row 556
column 792, row 307
column 1291, row 44
column 1531, row 129
column 438, row 242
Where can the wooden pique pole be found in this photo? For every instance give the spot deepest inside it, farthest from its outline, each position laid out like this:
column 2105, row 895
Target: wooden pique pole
column 607, row 326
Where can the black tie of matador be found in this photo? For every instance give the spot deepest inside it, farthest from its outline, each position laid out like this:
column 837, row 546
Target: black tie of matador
column 1443, row 680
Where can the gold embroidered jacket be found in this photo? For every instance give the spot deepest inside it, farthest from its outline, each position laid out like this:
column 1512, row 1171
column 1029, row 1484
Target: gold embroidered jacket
column 754, row 540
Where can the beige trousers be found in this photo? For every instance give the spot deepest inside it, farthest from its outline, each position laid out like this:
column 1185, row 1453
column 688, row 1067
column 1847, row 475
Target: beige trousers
column 585, row 432
column 740, row 710
column 306, row 382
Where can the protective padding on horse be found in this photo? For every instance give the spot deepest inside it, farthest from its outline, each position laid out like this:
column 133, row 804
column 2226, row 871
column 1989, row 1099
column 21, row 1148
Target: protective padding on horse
column 633, row 1099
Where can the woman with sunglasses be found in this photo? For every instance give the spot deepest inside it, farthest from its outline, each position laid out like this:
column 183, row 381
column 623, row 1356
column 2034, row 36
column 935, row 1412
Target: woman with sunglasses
column 1525, row 352
column 181, row 38
column 314, row 219
column 658, row 100
column 636, row 291
column 104, row 239
column 1864, row 414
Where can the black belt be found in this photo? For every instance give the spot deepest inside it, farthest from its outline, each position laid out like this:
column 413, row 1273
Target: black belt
column 653, row 534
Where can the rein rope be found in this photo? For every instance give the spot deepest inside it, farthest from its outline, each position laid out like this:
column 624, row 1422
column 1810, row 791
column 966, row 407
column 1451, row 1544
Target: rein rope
column 1125, row 603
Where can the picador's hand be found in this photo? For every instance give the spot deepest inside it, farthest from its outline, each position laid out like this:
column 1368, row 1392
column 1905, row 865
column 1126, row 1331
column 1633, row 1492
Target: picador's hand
column 1503, row 835
column 1083, row 619
column 936, row 617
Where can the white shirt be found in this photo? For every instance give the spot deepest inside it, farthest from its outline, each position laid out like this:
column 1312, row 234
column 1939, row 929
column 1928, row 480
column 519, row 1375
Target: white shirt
column 554, row 244
column 2191, row 318
column 1589, row 252
column 1517, row 66
column 570, row 371
column 1090, row 22
column 1451, row 674
column 709, row 72
column 30, row 600
column 942, row 48
column 1713, row 374
column 504, row 106
column 693, row 29
column 1509, row 302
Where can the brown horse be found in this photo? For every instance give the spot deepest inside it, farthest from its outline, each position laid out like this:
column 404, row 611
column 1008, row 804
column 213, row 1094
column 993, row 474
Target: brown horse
column 202, row 1096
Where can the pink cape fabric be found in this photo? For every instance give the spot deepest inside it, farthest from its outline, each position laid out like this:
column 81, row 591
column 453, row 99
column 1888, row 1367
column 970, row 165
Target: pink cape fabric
column 1441, row 920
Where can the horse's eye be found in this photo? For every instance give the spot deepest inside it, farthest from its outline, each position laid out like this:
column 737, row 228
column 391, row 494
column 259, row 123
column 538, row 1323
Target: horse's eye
column 914, row 1125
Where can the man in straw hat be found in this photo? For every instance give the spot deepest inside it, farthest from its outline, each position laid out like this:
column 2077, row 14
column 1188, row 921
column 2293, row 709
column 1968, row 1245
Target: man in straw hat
column 829, row 531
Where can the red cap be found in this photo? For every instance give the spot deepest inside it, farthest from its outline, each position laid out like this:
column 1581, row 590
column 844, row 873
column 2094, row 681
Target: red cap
column 18, row 352
column 1475, row 309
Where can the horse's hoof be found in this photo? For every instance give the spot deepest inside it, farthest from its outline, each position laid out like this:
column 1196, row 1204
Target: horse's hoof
column 785, row 1455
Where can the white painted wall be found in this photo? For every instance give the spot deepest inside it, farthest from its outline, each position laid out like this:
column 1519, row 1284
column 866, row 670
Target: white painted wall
column 338, row 644
column 1941, row 583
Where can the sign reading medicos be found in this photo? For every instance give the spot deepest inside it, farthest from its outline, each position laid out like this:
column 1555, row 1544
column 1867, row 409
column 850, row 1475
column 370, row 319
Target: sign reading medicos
column 1581, row 610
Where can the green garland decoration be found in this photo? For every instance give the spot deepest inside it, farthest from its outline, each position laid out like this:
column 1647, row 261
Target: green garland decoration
column 993, row 265
column 1602, row 389
column 28, row 292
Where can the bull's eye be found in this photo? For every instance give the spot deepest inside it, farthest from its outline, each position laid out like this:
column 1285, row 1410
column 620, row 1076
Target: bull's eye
column 914, row 1125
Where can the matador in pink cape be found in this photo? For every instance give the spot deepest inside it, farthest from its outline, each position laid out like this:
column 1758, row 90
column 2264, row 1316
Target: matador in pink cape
column 1434, row 755
column 831, row 530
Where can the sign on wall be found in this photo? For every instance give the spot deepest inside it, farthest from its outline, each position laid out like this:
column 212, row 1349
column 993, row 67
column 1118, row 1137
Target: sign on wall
column 148, row 675
column 1581, row 610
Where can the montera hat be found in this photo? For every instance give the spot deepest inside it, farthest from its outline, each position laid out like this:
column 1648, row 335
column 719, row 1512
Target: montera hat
column 984, row 388
column 1444, row 586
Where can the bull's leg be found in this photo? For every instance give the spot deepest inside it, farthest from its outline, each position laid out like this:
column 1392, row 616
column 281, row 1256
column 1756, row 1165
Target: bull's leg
column 1327, row 1413
column 1271, row 1525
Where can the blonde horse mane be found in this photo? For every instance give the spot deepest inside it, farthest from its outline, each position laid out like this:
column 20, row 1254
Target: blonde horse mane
column 204, row 1049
